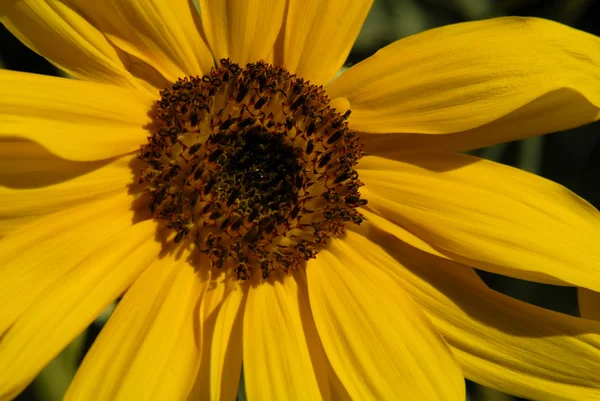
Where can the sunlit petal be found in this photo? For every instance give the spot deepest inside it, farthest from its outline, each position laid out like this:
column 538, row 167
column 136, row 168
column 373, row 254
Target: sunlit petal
column 499, row 341
column 164, row 35
column 73, row 119
column 72, row 303
column 58, row 31
column 282, row 357
column 464, row 76
column 149, row 348
column 243, row 30
column 378, row 342
column 319, row 35
column 488, row 215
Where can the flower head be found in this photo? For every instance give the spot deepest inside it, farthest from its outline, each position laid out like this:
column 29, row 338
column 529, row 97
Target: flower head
column 253, row 165
column 207, row 169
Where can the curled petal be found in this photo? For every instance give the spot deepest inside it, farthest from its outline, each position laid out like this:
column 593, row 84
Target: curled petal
column 460, row 77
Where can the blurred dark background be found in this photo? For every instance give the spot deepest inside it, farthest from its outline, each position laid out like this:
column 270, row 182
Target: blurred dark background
column 571, row 158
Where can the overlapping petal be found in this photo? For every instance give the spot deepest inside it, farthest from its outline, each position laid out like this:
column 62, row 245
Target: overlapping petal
column 111, row 179
column 33, row 182
column 378, row 342
column 487, row 215
column 36, row 257
column 68, row 305
column 555, row 111
column 461, row 81
column 149, row 349
column 318, row 36
column 25, row 164
column 221, row 314
column 73, row 119
column 499, row 341
column 283, row 359
column 243, row 30
column 165, row 35
column 589, row 304
column 464, row 76
column 226, row 349
column 58, row 31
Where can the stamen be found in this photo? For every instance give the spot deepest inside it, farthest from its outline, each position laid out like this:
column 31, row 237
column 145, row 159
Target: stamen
column 253, row 166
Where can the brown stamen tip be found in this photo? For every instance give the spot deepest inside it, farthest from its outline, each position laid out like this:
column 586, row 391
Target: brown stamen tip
column 253, row 166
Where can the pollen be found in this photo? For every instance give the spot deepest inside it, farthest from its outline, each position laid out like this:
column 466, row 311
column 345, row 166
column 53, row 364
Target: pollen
column 252, row 166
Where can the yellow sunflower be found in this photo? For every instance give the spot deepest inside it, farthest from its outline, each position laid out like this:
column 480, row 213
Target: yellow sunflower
column 207, row 169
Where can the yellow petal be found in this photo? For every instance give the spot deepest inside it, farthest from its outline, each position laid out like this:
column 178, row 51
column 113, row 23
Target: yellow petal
column 282, row 357
column 73, row 119
column 399, row 232
column 105, row 181
column 59, row 32
column 149, row 349
column 242, row 30
column 319, row 35
column 462, row 76
column 39, row 255
column 70, row 304
column 499, row 341
column 163, row 34
column 337, row 389
column 226, row 349
column 488, row 215
column 567, row 109
column 589, row 304
column 27, row 169
column 378, row 342
column 26, row 165
column 219, row 374
column 8, row 225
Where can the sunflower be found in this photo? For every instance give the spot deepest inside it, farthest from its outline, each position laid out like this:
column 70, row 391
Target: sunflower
column 249, row 210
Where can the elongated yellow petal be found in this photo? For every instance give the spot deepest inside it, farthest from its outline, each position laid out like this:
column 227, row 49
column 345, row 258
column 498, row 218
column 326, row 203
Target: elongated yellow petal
column 226, row 349
column 70, row 304
column 221, row 315
column 149, row 349
column 25, row 164
column 10, row 224
column 319, row 35
column 73, row 119
column 243, row 30
column 463, row 76
column 567, row 109
column 488, row 215
column 27, row 170
column 36, row 257
column 59, row 32
column 163, row 34
column 499, row 341
column 378, row 342
column 282, row 357
column 105, row 181
column 589, row 304
column 399, row 232
column 337, row 389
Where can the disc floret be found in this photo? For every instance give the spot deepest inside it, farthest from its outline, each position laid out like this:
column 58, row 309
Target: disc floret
column 253, row 166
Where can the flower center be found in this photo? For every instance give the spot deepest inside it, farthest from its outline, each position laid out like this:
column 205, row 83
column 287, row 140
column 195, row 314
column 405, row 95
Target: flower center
column 253, row 166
